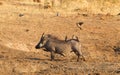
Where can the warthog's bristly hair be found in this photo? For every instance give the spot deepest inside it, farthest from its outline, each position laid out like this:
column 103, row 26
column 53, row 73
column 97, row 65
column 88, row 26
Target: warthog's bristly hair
column 54, row 45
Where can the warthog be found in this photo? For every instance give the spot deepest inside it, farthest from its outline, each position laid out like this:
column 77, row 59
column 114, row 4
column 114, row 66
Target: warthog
column 62, row 47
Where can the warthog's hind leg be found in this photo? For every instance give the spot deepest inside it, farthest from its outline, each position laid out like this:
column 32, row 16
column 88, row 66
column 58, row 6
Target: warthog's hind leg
column 78, row 55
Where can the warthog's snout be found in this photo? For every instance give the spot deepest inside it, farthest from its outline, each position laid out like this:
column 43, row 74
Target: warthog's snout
column 37, row 47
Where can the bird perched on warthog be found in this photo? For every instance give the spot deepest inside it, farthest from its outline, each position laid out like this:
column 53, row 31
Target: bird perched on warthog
column 62, row 47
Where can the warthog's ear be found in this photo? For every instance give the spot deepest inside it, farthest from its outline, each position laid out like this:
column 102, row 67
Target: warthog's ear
column 65, row 38
column 43, row 35
column 75, row 37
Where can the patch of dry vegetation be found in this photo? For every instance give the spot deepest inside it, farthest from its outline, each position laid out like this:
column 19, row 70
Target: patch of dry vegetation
column 85, row 6
column 80, row 6
column 23, row 21
column 1, row 3
column 93, row 6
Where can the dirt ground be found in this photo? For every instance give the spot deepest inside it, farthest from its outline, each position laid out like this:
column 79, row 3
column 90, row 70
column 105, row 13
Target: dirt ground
column 21, row 25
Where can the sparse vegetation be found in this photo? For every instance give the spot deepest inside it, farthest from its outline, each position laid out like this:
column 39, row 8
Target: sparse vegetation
column 1, row 3
column 22, row 22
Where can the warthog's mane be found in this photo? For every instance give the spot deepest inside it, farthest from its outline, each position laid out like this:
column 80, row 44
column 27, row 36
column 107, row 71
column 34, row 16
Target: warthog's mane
column 54, row 38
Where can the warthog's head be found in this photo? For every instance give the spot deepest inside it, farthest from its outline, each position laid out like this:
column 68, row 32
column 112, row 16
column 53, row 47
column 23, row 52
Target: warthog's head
column 42, row 41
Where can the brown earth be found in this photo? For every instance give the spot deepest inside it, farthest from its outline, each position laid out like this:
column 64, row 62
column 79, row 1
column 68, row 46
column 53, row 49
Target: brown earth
column 21, row 25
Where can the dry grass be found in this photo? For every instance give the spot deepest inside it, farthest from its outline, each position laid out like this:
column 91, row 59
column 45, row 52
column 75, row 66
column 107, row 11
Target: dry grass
column 1, row 3
column 93, row 6
column 85, row 6
column 20, row 34
column 79, row 6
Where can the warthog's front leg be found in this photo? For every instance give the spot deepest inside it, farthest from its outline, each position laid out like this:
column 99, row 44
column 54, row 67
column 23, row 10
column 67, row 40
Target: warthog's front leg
column 83, row 58
column 52, row 55
column 79, row 57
